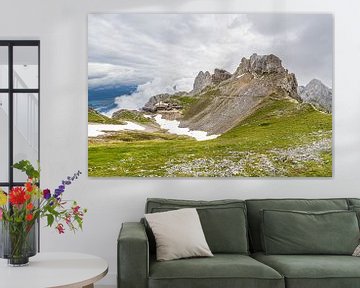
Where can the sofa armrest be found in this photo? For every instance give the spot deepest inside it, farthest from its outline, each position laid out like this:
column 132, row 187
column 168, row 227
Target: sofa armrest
column 133, row 256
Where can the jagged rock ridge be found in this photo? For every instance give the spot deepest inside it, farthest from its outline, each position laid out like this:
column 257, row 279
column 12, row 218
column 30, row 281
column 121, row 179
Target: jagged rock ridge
column 269, row 64
column 201, row 81
column 260, row 64
column 223, row 106
column 219, row 76
column 205, row 79
column 316, row 93
column 224, row 99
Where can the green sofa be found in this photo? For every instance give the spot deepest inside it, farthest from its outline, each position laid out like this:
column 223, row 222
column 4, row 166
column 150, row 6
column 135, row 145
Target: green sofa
column 233, row 230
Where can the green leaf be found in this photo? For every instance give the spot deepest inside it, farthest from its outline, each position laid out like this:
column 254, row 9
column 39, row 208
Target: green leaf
column 26, row 167
column 50, row 219
column 79, row 221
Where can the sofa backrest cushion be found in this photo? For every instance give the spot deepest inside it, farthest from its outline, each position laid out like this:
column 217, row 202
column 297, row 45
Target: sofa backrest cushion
column 297, row 232
column 356, row 209
column 354, row 205
column 223, row 221
column 353, row 202
column 255, row 206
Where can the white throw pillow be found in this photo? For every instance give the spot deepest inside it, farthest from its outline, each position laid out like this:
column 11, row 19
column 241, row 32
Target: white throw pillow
column 178, row 234
column 357, row 251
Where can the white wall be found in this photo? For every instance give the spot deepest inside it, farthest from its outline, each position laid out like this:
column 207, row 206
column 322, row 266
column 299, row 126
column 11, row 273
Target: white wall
column 62, row 28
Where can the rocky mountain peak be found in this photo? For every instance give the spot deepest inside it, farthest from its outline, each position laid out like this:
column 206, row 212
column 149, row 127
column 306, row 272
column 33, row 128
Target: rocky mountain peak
column 317, row 93
column 219, row 76
column 269, row 66
column 260, row 64
column 316, row 83
column 202, row 80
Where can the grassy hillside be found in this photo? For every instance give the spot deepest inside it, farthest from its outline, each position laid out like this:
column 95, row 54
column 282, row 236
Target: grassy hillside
column 96, row 117
column 133, row 136
column 184, row 101
column 132, row 116
column 282, row 138
column 199, row 103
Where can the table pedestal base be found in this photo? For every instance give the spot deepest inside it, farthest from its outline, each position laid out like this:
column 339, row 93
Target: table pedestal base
column 89, row 286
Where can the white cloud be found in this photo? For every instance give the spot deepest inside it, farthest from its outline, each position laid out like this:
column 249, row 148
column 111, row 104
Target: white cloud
column 158, row 51
column 143, row 93
column 103, row 74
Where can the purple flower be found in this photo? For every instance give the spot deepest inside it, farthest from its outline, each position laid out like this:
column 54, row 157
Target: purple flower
column 58, row 192
column 64, row 183
column 46, row 194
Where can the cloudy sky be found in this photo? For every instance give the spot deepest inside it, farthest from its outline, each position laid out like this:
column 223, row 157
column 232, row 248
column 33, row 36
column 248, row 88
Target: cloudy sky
column 155, row 52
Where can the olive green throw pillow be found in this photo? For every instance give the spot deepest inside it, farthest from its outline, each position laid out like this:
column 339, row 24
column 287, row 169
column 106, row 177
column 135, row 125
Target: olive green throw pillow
column 298, row 232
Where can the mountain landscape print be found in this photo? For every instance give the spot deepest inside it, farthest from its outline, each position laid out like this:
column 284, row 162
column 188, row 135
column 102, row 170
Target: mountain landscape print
column 210, row 95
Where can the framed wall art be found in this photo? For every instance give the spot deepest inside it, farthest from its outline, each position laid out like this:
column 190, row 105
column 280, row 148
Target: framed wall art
column 210, row 95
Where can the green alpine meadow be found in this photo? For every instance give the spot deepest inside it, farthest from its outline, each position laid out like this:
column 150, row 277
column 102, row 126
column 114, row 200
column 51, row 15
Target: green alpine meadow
column 282, row 139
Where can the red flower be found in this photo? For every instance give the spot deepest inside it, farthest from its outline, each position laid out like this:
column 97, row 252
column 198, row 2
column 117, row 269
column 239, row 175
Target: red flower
column 68, row 219
column 75, row 209
column 27, row 196
column 17, row 196
column 60, row 228
column 29, row 217
column 29, row 206
column 29, row 186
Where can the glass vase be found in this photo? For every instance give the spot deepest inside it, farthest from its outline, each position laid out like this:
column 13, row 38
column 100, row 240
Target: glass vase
column 18, row 242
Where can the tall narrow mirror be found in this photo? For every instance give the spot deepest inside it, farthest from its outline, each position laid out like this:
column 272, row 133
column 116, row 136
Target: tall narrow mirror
column 19, row 108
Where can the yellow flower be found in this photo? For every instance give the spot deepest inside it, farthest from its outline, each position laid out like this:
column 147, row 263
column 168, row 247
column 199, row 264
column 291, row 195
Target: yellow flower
column 3, row 198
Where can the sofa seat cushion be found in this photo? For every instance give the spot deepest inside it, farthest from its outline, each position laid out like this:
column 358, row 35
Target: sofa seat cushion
column 222, row 270
column 314, row 271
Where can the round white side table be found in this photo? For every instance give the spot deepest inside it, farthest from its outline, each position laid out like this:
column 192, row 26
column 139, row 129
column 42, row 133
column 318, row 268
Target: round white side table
column 50, row 270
